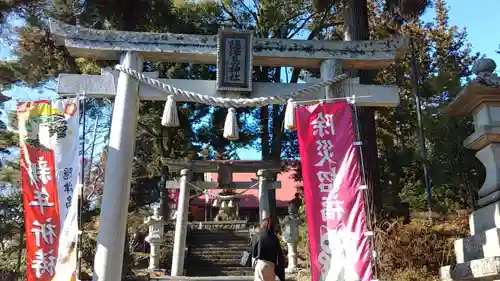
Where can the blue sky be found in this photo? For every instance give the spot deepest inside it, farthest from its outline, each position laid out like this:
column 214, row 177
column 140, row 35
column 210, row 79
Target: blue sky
column 481, row 22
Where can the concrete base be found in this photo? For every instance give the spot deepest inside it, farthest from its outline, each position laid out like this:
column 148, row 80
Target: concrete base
column 485, row 218
column 487, row 269
column 482, row 245
column 478, row 256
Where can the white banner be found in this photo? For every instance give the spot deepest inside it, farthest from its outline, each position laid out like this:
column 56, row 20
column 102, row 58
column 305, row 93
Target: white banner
column 68, row 243
column 66, row 156
column 68, row 172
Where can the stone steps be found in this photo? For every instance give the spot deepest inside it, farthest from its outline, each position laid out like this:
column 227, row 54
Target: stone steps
column 221, row 270
column 215, row 260
column 219, row 248
column 219, row 240
column 201, row 238
column 219, row 232
column 228, row 245
column 203, row 278
column 217, row 253
column 289, row 277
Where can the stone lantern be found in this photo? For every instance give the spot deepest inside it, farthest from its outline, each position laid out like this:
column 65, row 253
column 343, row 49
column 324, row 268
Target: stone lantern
column 155, row 237
column 291, row 224
column 478, row 256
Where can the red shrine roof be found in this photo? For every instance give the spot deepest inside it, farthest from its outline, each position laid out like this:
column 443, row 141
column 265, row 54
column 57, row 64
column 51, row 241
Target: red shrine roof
column 250, row 197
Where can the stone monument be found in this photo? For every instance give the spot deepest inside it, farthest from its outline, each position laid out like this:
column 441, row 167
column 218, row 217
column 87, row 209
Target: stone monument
column 478, row 256
column 291, row 237
column 155, row 237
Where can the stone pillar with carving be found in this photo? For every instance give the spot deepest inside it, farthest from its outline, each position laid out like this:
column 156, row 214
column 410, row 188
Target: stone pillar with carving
column 478, row 256
column 291, row 237
column 155, row 237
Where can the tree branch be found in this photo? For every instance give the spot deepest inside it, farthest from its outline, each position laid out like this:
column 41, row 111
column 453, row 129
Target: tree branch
column 250, row 11
column 233, row 17
column 145, row 128
column 301, row 26
column 296, row 71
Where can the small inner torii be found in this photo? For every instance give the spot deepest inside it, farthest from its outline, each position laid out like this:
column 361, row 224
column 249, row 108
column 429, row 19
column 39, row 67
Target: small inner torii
column 235, row 54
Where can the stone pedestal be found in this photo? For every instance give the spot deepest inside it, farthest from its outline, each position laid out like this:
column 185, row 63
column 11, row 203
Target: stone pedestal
column 291, row 236
column 478, row 256
column 292, row 257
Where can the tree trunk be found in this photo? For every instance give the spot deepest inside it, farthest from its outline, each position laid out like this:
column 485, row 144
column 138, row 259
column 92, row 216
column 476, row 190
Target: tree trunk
column 164, row 192
column 356, row 28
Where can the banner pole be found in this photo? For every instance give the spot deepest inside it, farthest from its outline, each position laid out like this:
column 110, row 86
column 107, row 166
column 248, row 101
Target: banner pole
column 80, row 193
column 305, row 102
column 368, row 193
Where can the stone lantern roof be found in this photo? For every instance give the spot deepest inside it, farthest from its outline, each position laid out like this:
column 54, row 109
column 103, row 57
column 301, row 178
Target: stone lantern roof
column 484, row 89
column 481, row 99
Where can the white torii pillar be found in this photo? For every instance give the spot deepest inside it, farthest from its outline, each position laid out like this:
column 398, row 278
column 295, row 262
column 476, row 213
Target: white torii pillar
column 108, row 260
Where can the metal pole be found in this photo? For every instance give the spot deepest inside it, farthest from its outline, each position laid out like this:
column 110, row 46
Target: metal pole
column 423, row 151
column 80, row 193
column 368, row 193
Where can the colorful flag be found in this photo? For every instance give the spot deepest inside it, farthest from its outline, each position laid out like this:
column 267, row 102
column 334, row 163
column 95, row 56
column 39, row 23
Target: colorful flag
column 43, row 126
column 338, row 243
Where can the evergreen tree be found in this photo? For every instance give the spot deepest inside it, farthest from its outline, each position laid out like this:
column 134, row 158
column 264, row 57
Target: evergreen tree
column 11, row 208
column 444, row 59
column 7, row 139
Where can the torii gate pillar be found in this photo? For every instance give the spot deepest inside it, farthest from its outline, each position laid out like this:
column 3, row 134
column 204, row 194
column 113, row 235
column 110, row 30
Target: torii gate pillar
column 111, row 238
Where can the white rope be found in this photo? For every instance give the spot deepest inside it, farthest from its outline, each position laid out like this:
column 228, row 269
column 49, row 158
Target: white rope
column 227, row 102
column 211, row 196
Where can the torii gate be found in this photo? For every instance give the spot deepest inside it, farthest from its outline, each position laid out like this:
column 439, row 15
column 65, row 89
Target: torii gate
column 132, row 48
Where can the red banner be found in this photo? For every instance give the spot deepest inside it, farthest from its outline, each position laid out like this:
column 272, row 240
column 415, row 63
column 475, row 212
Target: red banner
column 173, row 196
column 338, row 244
column 38, row 179
column 41, row 213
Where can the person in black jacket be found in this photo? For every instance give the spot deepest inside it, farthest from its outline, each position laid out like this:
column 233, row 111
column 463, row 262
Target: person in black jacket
column 266, row 250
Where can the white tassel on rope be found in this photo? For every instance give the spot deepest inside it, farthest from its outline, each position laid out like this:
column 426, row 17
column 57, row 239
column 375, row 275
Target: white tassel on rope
column 170, row 117
column 231, row 131
column 290, row 116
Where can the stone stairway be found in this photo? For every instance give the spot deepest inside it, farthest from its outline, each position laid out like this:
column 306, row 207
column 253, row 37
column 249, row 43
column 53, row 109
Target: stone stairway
column 217, row 252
